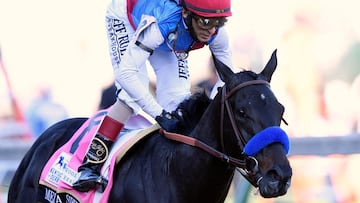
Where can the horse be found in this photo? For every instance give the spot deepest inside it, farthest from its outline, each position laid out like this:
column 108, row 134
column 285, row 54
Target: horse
column 215, row 138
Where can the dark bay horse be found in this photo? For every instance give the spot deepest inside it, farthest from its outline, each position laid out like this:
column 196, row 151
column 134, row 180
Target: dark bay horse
column 158, row 169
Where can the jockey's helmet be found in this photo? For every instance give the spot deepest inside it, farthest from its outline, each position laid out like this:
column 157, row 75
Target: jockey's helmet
column 208, row 8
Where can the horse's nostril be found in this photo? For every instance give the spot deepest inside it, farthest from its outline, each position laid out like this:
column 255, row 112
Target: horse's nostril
column 274, row 185
column 274, row 175
column 276, row 182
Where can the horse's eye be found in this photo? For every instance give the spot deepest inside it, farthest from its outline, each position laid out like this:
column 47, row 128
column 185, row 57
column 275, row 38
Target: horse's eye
column 242, row 113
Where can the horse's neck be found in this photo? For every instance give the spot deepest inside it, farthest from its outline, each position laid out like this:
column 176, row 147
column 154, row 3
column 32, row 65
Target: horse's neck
column 209, row 176
column 208, row 132
column 210, row 169
column 208, row 128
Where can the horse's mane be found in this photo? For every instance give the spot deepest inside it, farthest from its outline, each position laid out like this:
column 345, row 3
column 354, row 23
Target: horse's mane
column 191, row 111
column 192, row 108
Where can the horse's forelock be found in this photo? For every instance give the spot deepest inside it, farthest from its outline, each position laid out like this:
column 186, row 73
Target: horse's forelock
column 242, row 76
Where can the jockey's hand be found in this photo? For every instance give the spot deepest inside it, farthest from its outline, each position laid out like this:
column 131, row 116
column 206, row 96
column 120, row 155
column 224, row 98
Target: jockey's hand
column 168, row 121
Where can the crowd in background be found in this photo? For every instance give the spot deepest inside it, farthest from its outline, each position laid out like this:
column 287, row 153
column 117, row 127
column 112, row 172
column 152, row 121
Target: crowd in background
column 318, row 64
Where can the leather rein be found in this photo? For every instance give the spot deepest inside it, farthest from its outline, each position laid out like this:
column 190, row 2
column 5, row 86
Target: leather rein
column 240, row 163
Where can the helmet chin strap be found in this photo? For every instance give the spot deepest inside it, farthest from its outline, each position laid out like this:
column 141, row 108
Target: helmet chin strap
column 188, row 22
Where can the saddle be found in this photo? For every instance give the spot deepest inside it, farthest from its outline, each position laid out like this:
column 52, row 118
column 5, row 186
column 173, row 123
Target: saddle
column 55, row 184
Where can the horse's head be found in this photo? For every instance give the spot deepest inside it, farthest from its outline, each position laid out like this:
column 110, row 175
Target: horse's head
column 251, row 116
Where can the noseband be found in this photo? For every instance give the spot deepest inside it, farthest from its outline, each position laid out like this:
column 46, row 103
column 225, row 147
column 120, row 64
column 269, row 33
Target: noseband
column 247, row 164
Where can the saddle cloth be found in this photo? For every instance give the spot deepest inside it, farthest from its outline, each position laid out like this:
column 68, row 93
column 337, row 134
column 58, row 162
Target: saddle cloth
column 61, row 170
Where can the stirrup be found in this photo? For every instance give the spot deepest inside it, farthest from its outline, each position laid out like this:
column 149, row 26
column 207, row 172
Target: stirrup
column 87, row 181
column 102, row 183
column 86, row 185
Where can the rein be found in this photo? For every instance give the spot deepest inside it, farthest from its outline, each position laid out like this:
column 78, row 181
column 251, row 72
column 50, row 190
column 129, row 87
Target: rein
column 241, row 163
column 197, row 143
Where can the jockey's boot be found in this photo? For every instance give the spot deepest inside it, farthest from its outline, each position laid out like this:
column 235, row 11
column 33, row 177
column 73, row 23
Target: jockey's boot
column 90, row 177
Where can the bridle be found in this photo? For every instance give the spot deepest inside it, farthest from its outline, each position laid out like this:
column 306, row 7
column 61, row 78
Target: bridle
column 248, row 165
column 249, row 172
column 225, row 103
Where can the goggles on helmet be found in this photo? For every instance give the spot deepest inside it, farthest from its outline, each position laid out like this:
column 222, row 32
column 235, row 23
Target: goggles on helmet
column 208, row 23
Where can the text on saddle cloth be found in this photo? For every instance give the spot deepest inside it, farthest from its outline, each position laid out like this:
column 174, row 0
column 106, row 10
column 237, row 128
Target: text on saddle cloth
column 61, row 170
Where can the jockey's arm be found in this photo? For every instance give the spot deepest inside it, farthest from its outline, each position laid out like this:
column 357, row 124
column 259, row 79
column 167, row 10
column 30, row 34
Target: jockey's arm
column 135, row 56
column 221, row 49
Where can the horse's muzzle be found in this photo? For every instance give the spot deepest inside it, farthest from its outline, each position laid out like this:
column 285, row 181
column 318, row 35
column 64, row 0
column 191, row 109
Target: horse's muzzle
column 275, row 183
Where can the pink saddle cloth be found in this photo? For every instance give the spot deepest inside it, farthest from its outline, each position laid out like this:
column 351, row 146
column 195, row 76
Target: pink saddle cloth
column 60, row 172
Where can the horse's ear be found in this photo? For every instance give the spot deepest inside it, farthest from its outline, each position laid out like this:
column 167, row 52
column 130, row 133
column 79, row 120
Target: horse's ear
column 269, row 68
column 223, row 70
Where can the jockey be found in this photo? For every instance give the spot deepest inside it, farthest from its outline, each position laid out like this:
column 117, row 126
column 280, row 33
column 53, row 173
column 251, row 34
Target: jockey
column 162, row 32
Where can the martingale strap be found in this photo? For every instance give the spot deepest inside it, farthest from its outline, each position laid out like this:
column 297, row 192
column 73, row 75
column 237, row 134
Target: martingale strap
column 265, row 137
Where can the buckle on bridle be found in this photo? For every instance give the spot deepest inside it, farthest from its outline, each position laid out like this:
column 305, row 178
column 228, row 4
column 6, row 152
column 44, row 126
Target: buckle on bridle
column 252, row 165
column 226, row 158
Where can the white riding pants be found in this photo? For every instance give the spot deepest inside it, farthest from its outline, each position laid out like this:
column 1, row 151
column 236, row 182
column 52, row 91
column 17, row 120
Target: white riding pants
column 172, row 75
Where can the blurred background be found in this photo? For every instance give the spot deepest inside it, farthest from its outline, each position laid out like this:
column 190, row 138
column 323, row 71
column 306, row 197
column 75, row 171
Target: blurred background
column 54, row 65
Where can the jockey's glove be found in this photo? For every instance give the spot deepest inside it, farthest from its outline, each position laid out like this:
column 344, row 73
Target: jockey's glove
column 168, row 121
